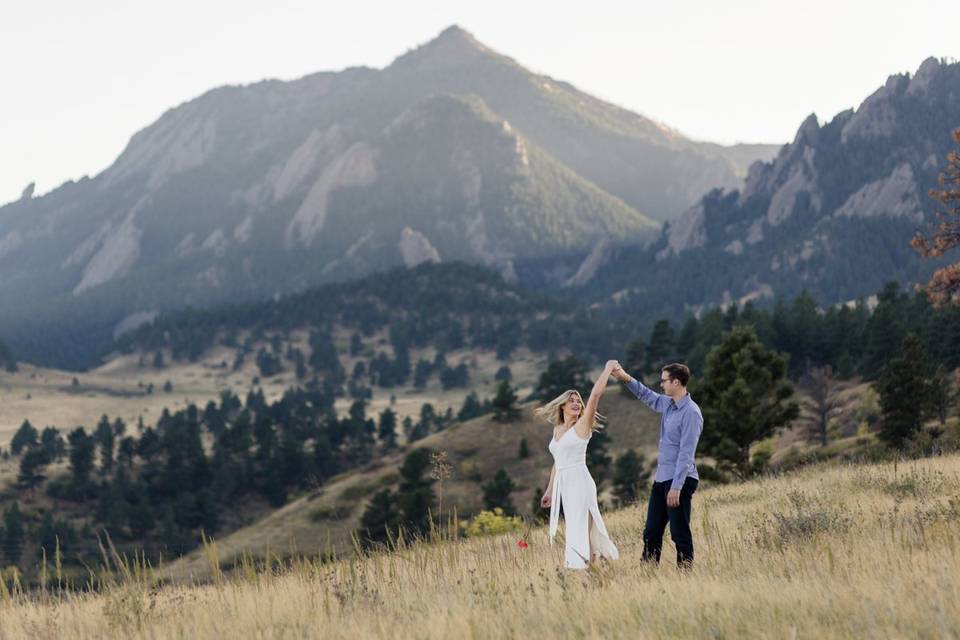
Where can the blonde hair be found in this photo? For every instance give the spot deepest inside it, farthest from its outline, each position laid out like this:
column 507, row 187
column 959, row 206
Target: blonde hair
column 552, row 412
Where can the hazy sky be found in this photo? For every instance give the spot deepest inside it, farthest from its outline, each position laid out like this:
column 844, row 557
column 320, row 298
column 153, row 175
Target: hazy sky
column 79, row 78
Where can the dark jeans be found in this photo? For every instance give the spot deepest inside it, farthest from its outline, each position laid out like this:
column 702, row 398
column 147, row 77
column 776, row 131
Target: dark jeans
column 659, row 514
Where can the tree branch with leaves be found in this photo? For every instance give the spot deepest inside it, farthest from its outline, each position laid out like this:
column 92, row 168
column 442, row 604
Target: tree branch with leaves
column 944, row 285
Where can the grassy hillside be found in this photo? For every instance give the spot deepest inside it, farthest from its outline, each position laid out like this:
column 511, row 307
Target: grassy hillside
column 326, row 518
column 828, row 552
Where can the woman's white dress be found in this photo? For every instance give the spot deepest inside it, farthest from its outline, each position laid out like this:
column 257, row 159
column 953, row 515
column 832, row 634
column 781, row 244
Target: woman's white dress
column 573, row 486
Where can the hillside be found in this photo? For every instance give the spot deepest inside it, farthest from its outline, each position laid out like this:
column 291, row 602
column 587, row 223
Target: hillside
column 453, row 152
column 829, row 552
column 446, row 307
column 326, row 519
column 297, row 412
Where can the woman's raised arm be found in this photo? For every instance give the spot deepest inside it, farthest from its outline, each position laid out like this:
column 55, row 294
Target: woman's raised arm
column 585, row 424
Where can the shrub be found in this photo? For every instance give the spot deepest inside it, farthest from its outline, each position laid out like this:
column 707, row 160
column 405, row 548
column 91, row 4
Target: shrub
column 491, row 523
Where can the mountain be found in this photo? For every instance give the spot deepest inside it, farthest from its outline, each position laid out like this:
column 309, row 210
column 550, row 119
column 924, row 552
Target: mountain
column 833, row 213
column 453, row 152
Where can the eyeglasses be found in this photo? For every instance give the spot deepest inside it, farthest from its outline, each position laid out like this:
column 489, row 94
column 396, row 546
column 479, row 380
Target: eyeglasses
column 662, row 381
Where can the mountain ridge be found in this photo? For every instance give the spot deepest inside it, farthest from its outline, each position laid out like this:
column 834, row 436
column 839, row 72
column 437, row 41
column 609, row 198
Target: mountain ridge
column 833, row 213
column 248, row 192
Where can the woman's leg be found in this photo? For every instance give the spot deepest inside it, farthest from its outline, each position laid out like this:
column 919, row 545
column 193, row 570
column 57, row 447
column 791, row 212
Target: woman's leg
column 590, row 534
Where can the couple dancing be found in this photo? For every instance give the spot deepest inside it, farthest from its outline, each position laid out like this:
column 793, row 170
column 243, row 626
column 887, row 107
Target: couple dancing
column 572, row 486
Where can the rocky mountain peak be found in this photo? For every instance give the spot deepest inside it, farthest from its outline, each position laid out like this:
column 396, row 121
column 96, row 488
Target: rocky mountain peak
column 922, row 78
column 807, row 133
column 876, row 115
column 454, row 47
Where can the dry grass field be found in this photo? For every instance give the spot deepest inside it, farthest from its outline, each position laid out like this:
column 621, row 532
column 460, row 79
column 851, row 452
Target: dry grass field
column 869, row 551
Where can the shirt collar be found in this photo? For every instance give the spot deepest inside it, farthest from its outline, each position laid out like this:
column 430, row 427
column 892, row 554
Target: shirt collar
column 684, row 401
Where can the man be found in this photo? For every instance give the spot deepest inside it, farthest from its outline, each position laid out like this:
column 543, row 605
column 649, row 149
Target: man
column 680, row 425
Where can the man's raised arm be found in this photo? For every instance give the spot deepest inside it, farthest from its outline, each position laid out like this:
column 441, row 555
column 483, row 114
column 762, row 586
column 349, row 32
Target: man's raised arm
column 656, row 401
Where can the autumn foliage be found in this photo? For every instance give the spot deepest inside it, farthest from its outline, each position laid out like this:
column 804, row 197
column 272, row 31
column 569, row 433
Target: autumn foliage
column 944, row 285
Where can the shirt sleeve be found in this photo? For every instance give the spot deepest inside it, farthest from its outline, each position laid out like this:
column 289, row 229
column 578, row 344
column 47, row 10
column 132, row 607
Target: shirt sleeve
column 690, row 429
column 656, row 401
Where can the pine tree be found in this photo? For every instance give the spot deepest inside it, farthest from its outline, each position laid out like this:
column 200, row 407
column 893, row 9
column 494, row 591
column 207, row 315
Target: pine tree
column 471, row 408
column 745, row 398
column 496, row 493
column 421, row 373
column 538, row 512
column 24, row 438
column 943, row 394
column 387, row 431
column 299, row 364
column 140, row 517
column 415, row 495
column 105, row 438
column 458, row 376
column 905, row 395
column 53, row 444
column 884, row 332
column 380, row 519
column 523, row 452
column 31, row 467
column 560, row 376
column 13, row 534
column 634, row 357
column 598, row 457
column 356, row 345
column 629, row 477
column 127, row 451
column 47, row 534
column 81, row 460
column 821, row 405
column 661, row 347
column 505, row 403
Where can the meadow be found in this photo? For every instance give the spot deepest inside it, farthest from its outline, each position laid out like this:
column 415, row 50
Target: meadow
column 827, row 551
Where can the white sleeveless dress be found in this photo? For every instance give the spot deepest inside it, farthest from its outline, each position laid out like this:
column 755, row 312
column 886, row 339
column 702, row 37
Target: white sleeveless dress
column 573, row 486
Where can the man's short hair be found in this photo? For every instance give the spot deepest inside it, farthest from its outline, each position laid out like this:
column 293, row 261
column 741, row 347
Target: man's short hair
column 679, row 372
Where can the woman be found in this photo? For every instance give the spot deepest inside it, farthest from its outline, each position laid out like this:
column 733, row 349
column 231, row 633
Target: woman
column 570, row 482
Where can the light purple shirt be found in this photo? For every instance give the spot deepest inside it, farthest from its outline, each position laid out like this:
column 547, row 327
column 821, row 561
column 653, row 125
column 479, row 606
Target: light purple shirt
column 680, row 427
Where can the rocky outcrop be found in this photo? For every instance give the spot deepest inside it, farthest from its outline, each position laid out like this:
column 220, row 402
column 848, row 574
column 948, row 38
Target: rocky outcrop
column 833, row 213
column 133, row 321
column 305, row 158
column 802, row 179
column 876, row 116
column 921, row 80
column 416, row 249
column 116, row 256
column 895, row 196
column 599, row 257
column 356, row 167
column 688, row 232
column 182, row 140
column 10, row 243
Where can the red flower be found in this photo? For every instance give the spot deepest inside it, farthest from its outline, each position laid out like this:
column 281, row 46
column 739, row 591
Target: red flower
column 522, row 544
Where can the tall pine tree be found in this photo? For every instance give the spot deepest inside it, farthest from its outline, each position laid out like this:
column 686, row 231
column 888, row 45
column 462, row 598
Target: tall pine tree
column 745, row 398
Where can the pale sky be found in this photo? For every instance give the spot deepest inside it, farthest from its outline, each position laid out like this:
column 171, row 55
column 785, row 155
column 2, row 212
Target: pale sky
column 79, row 78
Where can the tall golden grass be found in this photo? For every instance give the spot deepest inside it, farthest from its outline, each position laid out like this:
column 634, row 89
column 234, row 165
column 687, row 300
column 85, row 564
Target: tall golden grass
column 827, row 552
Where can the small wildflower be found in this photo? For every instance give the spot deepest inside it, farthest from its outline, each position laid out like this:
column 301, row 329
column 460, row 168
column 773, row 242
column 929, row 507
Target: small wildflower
column 522, row 544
